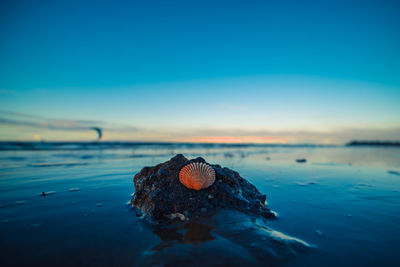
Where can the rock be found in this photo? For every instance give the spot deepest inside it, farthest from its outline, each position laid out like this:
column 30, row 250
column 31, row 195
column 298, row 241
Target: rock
column 43, row 194
column 160, row 196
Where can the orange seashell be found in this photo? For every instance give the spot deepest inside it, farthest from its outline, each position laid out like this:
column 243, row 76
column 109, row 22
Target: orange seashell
column 197, row 176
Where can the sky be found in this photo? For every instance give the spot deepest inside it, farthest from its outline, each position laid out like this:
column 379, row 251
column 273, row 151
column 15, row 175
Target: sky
column 200, row 71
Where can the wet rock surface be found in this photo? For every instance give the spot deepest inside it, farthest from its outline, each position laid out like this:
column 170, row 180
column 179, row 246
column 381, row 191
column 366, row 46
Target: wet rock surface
column 160, row 196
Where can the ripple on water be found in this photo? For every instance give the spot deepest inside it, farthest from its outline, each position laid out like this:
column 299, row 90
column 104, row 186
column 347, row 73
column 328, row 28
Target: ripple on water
column 73, row 189
column 57, row 164
column 394, row 172
column 307, row 183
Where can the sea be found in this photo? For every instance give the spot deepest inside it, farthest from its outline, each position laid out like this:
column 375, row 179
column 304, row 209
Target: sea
column 68, row 204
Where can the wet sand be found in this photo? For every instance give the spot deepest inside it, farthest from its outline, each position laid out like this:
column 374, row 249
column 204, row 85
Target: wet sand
column 340, row 207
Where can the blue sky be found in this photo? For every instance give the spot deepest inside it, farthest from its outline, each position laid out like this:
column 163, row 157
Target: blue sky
column 316, row 71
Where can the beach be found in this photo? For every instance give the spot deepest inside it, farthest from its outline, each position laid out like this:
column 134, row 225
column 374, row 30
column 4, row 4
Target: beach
column 69, row 204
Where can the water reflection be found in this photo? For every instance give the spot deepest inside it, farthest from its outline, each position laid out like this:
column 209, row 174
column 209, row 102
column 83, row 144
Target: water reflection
column 227, row 238
column 189, row 233
column 349, row 194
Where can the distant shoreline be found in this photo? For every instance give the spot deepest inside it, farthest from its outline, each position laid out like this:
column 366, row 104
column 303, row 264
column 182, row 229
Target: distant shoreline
column 373, row 143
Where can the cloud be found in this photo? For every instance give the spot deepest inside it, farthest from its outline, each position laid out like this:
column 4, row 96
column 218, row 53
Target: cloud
column 52, row 124
column 19, row 123
column 234, row 135
column 18, row 114
column 34, row 121
column 338, row 136
column 236, row 139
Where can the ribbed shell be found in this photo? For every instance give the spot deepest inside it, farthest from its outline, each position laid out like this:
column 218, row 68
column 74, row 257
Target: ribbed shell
column 197, row 175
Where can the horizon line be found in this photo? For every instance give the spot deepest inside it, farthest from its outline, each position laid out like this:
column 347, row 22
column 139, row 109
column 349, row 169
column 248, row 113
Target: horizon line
column 351, row 142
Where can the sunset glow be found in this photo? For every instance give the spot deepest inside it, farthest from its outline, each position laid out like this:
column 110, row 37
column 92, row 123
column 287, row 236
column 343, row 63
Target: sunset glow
column 235, row 139
column 173, row 133
column 200, row 72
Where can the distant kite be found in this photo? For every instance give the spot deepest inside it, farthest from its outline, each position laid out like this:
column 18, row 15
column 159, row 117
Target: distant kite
column 99, row 132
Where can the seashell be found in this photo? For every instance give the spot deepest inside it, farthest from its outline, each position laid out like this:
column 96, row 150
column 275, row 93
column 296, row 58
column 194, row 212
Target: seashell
column 197, row 176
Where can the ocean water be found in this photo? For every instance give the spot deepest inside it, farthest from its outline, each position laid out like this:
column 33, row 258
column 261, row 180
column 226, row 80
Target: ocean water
column 339, row 208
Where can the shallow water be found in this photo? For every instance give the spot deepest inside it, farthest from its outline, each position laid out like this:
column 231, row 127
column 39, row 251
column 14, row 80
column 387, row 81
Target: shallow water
column 340, row 207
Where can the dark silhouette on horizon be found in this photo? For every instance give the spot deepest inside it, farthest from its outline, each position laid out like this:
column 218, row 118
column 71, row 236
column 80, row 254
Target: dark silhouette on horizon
column 99, row 132
column 373, row 143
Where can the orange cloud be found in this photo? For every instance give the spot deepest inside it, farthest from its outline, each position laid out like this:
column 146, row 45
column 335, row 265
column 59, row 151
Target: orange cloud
column 235, row 139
